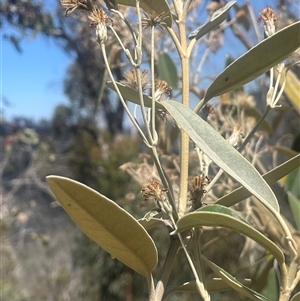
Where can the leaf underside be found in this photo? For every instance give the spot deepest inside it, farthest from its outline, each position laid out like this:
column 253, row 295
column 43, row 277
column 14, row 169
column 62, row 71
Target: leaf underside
column 106, row 223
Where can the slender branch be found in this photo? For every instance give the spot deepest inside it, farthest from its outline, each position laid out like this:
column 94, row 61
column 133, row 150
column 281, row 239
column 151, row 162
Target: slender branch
column 151, row 289
column 165, row 275
column 186, row 9
column 295, row 281
column 200, row 287
column 138, row 72
column 184, row 146
column 154, row 133
column 175, row 40
column 126, row 51
column 117, row 12
column 177, row 6
column 166, row 182
column 256, row 127
column 199, row 261
column 292, row 279
column 133, row 120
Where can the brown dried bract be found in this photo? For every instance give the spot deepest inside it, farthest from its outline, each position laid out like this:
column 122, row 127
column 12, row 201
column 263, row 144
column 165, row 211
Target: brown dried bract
column 72, row 5
column 197, row 190
column 152, row 191
column 267, row 14
column 99, row 16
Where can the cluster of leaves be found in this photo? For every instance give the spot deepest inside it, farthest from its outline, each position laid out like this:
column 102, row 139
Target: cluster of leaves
column 115, row 230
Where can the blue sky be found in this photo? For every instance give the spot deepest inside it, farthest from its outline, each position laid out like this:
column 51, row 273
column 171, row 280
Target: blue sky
column 32, row 82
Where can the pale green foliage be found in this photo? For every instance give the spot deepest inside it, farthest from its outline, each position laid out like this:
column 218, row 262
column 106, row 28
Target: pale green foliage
column 107, row 224
column 118, row 232
column 256, row 61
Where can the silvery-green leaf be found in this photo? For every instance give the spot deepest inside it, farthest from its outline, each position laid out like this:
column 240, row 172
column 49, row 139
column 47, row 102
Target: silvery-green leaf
column 167, row 70
column 106, row 223
column 132, row 95
column 221, row 152
column 217, row 18
column 270, row 177
column 233, row 282
column 220, row 216
column 256, row 61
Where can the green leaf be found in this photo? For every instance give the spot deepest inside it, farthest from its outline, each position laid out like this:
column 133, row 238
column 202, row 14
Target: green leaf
column 272, row 290
column 296, row 297
column 291, row 89
column 106, row 223
column 233, row 282
column 220, row 216
column 212, row 285
column 270, row 177
column 293, row 179
column 295, row 205
column 217, row 18
column 222, row 210
column 167, row 70
column 150, row 6
column 290, row 153
column 221, row 152
column 133, row 95
column 261, row 268
column 256, row 61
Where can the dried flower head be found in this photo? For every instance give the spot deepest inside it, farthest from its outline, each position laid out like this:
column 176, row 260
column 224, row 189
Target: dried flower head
column 153, row 20
column 237, row 136
column 99, row 16
column 161, row 87
column 100, row 20
column 130, row 79
column 152, row 191
column 267, row 15
column 197, row 190
column 71, row 5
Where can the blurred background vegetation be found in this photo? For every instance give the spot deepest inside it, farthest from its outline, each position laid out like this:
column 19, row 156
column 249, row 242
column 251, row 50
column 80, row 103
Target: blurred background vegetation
column 43, row 255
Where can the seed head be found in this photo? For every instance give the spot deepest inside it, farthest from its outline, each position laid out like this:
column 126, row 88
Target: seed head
column 267, row 15
column 237, row 136
column 152, row 191
column 161, row 87
column 130, row 79
column 100, row 20
column 153, row 20
column 197, row 190
column 71, row 5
